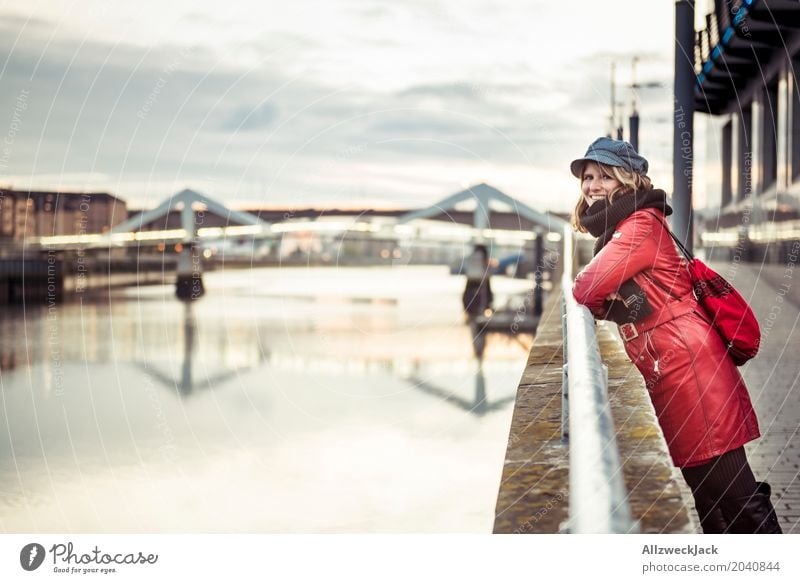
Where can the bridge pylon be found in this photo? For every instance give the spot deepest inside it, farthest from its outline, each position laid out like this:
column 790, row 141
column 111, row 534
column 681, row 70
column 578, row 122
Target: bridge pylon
column 189, row 270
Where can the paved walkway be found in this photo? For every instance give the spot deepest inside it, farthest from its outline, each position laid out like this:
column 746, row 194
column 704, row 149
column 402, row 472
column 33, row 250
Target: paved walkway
column 772, row 378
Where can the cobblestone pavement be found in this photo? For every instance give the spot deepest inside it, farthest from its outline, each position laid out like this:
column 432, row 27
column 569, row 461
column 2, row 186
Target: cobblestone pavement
column 772, row 379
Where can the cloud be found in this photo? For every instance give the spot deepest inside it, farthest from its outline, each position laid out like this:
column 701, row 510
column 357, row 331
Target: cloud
column 250, row 118
column 129, row 113
column 143, row 117
column 379, row 97
column 14, row 24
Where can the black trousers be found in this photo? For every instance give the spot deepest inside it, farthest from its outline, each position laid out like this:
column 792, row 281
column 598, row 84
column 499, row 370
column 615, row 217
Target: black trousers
column 726, row 476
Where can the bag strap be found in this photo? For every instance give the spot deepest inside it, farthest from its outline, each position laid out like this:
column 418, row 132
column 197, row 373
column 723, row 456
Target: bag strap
column 681, row 246
column 683, row 249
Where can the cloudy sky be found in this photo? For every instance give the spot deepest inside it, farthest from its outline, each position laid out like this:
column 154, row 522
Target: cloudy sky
column 332, row 103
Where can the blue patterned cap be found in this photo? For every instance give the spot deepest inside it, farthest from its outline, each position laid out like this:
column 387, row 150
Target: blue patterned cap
column 612, row 153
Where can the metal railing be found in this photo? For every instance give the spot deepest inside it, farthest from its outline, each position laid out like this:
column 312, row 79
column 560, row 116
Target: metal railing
column 598, row 501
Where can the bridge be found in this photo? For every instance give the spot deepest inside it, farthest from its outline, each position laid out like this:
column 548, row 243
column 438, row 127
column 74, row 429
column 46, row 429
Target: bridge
column 188, row 219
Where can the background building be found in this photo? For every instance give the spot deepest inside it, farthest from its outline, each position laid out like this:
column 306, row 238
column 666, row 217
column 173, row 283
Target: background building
column 747, row 60
column 25, row 213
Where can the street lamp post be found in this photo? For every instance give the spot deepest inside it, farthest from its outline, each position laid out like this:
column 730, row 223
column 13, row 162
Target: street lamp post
column 633, row 120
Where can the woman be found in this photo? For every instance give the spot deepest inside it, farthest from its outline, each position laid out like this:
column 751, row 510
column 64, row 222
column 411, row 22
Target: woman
column 477, row 296
column 638, row 279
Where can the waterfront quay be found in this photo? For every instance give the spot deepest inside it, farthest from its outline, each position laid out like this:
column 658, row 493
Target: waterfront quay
column 534, row 490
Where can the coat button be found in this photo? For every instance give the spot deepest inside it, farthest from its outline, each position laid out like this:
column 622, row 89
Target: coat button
column 641, row 358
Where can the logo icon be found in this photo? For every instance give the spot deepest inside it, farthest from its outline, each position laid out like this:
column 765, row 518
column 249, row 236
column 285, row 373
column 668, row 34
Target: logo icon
column 31, row 556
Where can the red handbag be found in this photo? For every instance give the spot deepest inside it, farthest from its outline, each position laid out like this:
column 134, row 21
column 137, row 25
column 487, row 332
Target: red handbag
column 730, row 313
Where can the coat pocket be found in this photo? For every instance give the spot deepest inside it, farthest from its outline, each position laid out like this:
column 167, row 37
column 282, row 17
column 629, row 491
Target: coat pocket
column 643, row 354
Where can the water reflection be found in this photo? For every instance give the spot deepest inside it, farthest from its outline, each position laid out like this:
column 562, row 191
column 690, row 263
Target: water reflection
column 273, row 404
column 184, row 385
column 479, row 405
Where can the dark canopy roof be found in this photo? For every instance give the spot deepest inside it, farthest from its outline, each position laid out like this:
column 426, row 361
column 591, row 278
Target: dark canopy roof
column 740, row 37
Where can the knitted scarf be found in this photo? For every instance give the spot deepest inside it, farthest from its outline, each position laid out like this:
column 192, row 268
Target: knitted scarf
column 601, row 219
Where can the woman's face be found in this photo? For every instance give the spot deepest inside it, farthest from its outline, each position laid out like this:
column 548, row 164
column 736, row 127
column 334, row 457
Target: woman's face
column 595, row 184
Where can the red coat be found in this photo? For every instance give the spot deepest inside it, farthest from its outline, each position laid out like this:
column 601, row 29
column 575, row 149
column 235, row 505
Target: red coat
column 699, row 396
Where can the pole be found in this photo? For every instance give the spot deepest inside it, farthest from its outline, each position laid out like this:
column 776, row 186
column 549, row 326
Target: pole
column 539, row 266
column 633, row 130
column 683, row 134
column 613, row 117
column 633, row 120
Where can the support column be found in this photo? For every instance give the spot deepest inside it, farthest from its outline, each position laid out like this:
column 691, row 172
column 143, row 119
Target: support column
column 727, row 163
column 189, row 281
column 769, row 138
column 683, row 134
column 782, row 130
column 793, row 123
column 538, row 264
column 744, row 153
column 633, row 131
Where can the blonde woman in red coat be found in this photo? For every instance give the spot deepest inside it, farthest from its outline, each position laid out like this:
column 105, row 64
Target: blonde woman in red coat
column 639, row 280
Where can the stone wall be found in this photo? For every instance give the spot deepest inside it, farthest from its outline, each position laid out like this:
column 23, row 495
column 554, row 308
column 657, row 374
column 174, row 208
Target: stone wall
column 534, row 490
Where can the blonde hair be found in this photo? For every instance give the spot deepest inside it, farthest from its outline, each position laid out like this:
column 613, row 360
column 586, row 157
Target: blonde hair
column 630, row 182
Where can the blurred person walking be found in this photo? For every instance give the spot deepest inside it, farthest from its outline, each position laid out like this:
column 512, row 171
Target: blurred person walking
column 477, row 297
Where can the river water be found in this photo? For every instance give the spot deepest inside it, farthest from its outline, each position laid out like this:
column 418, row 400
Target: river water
column 284, row 400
